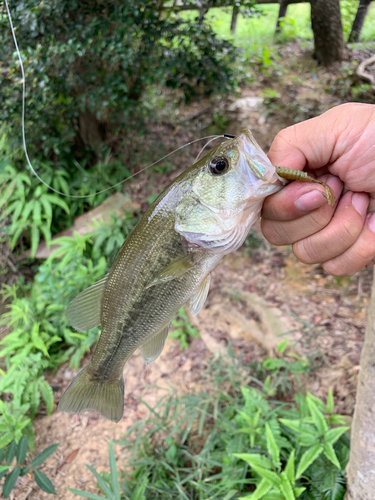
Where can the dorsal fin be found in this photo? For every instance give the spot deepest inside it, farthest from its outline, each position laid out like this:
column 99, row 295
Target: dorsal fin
column 84, row 311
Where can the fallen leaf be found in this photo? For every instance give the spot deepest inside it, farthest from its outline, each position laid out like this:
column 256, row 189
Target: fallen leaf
column 71, row 456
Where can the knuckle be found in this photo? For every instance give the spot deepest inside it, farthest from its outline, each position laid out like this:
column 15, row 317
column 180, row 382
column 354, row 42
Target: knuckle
column 304, row 251
column 274, row 232
column 336, row 268
column 347, row 233
column 364, row 252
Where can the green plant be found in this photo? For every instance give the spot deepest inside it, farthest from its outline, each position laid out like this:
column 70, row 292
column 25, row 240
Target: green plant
column 18, row 451
column 109, row 483
column 108, row 238
column 311, row 431
column 281, row 371
column 219, row 444
column 183, row 329
column 40, row 339
column 118, row 54
column 28, row 205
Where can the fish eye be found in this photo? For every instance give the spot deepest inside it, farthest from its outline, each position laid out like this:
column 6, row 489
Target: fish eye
column 219, row 165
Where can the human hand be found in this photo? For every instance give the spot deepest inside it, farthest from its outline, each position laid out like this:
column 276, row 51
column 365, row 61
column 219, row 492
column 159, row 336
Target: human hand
column 337, row 147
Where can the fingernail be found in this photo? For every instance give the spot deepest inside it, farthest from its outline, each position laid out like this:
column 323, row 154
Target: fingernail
column 371, row 223
column 309, row 201
column 360, row 202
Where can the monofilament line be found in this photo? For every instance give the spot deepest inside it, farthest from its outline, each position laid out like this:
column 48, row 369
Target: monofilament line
column 212, row 137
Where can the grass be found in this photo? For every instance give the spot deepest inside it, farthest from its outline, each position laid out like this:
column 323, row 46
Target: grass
column 254, row 33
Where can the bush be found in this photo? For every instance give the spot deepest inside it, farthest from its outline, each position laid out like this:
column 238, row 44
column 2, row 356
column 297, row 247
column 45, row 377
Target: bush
column 88, row 65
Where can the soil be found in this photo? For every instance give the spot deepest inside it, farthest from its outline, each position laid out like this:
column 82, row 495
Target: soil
column 258, row 296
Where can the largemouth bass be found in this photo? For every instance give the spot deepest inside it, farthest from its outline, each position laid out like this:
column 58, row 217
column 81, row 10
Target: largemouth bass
column 166, row 260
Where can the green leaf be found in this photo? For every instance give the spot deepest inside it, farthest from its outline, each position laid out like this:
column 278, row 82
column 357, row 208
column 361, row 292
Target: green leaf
column 10, row 481
column 286, row 487
column 86, row 494
column 298, row 491
column 35, row 237
column 289, row 468
column 52, row 198
column 44, row 482
column 329, row 452
column 24, row 471
column 298, row 426
column 47, row 395
column 37, row 213
column 4, row 471
column 39, row 459
column 268, row 475
column 272, row 448
column 114, row 475
column 11, row 452
column 282, row 346
column 308, row 458
column 262, row 488
column 306, row 439
column 255, row 459
column 331, row 436
column 22, row 450
column 330, row 402
column 102, row 483
column 139, row 491
column 317, row 416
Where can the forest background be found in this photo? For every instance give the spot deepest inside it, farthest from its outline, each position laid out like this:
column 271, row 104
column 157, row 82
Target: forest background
column 111, row 88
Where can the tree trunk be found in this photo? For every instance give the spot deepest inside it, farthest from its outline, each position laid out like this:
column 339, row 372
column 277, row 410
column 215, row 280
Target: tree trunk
column 361, row 468
column 359, row 20
column 327, row 27
column 233, row 23
column 282, row 13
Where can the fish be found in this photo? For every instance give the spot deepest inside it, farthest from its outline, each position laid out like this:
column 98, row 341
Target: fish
column 165, row 262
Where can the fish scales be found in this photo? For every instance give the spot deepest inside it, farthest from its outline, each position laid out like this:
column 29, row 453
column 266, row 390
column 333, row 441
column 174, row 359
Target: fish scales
column 166, row 260
column 128, row 306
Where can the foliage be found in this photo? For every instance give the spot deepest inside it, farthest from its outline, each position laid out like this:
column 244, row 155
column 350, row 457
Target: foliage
column 183, row 329
column 348, row 12
column 11, row 472
column 40, row 339
column 280, row 372
column 233, row 445
column 87, row 68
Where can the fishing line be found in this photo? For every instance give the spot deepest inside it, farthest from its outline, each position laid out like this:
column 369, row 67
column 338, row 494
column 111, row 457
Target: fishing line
column 211, row 137
column 207, row 143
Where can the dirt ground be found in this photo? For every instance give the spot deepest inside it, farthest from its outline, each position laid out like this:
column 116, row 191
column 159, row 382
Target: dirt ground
column 257, row 294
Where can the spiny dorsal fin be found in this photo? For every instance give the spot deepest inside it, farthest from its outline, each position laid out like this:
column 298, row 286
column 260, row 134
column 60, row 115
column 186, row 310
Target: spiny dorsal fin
column 173, row 270
column 200, row 295
column 84, row 311
column 152, row 349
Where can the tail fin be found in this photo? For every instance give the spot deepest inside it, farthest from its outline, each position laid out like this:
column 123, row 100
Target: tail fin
column 86, row 394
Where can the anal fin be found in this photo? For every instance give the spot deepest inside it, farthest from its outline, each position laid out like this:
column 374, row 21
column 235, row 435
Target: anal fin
column 84, row 311
column 152, row 349
column 174, row 270
column 199, row 297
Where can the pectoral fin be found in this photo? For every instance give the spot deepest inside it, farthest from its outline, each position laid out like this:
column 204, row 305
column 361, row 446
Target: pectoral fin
column 199, row 297
column 174, row 270
column 84, row 311
column 152, row 349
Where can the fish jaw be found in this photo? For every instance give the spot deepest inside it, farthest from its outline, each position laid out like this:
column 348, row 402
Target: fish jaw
column 217, row 216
